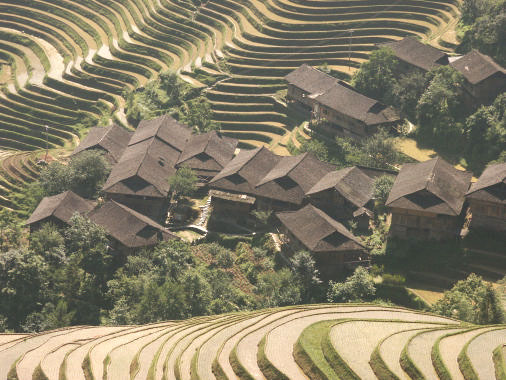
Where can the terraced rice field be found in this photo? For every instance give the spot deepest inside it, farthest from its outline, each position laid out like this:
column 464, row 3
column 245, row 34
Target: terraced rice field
column 313, row 341
column 66, row 61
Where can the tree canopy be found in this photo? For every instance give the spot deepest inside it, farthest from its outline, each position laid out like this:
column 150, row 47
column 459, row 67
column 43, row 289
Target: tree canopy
column 358, row 287
column 85, row 175
column 377, row 76
column 471, row 300
column 184, row 182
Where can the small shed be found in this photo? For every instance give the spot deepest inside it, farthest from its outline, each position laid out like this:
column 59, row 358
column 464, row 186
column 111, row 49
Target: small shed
column 58, row 209
column 332, row 245
column 129, row 229
column 487, row 199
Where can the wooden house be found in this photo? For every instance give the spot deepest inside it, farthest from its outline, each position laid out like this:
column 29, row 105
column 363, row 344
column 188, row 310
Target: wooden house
column 427, row 200
column 274, row 182
column 304, row 83
column 140, row 178
column 112, row 140
column 207, row 154
column 414, row 55
column 346, row 112
column 347, row 193
column 333, row 247
column 58, row 209
column 487, row 199
column 129, row 229
column 240, row 176
column 286, row 184
column 485, row 79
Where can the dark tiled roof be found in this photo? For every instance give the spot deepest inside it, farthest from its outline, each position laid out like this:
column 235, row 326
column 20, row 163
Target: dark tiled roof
column 112, row 139
column 129, row 227
column 165, row 128
column 292, row 177
column 416, row 53
column 491, row 186
column 245, row 171
column 143, row 169
column 477, row 67
column 352, row 183
column 347, row 101
column 208, row 151
column 61, row 206
column 310, row 79
column 318, row 231
column 433, row 186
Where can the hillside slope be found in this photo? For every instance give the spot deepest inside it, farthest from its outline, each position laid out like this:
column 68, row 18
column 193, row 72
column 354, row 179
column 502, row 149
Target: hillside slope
column 64, row 64
column 316, row 341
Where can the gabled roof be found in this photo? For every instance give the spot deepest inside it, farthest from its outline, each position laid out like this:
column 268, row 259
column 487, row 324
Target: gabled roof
column 477, row 67
column 245, row 171
column 318, row 231
column 208, row 151
column 166, row 128
column 352, row 183
column 310, row 79
column 129, row 227
column 61, row 206
column 416, row 53
column 491, row 186
column 433, row 186
column 113, row 139
column 144, row 169
column 292, row 177
column 347, row 101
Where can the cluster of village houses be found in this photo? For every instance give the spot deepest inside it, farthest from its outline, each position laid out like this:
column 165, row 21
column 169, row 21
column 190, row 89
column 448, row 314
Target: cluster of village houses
column 312, row 202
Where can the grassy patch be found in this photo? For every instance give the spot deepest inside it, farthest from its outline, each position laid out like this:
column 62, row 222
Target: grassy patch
column 499, row 364
column 86, row 366
column 241, row 372
column 379, row 367
column 437, row 361
column 465, row 365
column 38, row 374
column 308, row 351
column 409, row 366
column 340, row 367
column 268, row 369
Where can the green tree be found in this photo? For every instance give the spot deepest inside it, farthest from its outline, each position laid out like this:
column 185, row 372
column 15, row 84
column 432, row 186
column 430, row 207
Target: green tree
column 89, row 171
column 89, row 268
column 315, row 147
column 198, row 292
column 262, row 218
column 279, row 288
column 379, row 151
column 381, row 188
column 485, row 28
column 85, row 174
column 55, row 178
column 407, row 91
column 471, row 300
column 357, row 287
column 49, row 243
column 377, row 76
column 23, row 285
column 304, row 267
column 10, row 230
column 440, row 110
column 485, row 133
column 184, row 182
column 197, row 114
column 165, row 94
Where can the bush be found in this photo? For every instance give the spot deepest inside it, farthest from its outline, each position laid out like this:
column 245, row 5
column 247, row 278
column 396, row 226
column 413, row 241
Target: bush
column 393, row 279
column 357, row 287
